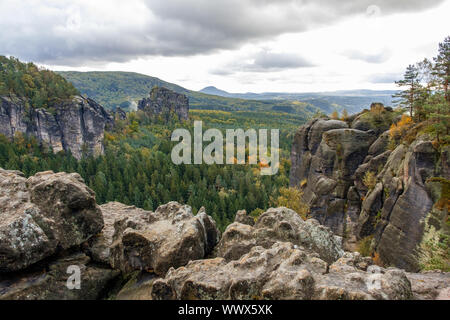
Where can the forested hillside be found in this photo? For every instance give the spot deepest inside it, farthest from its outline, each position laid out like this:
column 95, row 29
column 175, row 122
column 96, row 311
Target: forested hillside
column 42, row 88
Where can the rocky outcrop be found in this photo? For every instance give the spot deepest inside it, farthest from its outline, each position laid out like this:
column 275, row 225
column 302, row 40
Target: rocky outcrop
column 135, row 239
column 44, row 220
column 52, row 229
column 50, row 281
column 359, row 188
column 77, row 125
column 43, row 214
column 281, row 271
column 165, row 102
column 280, row 224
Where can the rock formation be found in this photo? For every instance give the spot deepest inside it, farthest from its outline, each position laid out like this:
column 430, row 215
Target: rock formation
column 281, row 272
column 135, row 239
column 280, row 224
column 330, row 162
column 75, row 125
column 51, row 223
column 165, row 102
column 43, row 214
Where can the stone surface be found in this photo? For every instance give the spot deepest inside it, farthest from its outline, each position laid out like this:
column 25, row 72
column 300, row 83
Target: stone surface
column 42, row 214
column 279, row 272
column 72, row 125
column 139, row 287
column 117, row 217
column 280, row 224
column 165, row 102
column 51, row 284
column 430, row 285
column 169, row 237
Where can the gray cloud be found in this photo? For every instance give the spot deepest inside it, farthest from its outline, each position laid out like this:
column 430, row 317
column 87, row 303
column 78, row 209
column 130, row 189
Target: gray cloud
column 378, row 57
column 80, row 32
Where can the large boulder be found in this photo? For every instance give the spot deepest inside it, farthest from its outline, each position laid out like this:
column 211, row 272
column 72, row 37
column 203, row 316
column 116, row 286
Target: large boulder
column 279, row 224
column 42, row 214
column 155, row 241
column 281, row 271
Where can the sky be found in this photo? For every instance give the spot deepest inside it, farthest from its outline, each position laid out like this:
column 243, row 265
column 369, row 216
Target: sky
column 235, row 45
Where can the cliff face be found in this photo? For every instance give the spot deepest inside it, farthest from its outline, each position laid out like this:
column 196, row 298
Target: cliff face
column 73, row 125
column 332, row 162
column 163, row 101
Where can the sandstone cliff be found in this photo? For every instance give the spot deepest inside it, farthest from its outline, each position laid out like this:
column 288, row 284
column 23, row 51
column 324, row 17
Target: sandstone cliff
column 395, row 213
column 77, row 125
column 165, row 102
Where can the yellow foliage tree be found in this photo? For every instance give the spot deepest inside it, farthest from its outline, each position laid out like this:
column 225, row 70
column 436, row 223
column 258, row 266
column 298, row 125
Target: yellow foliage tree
column 335, row 115
column 292, row 198
column 397, row 130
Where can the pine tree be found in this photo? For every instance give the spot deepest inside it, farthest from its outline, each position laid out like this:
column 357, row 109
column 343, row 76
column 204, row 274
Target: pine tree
column 442, row 66
column 409, row 97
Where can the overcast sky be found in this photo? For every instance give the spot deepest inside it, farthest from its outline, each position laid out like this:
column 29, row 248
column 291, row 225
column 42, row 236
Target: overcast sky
column 235, row 45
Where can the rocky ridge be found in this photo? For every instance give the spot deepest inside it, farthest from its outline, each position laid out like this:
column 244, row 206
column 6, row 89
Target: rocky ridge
column 50, row 221
column 331, row 160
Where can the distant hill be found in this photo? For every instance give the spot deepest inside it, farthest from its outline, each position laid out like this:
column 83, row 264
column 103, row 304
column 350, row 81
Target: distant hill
column 352, row 100
column 124, row 89
column 214, row 91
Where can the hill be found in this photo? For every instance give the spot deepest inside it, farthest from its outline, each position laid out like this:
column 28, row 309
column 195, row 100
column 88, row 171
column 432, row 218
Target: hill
column 352, row 100
column 124, row 89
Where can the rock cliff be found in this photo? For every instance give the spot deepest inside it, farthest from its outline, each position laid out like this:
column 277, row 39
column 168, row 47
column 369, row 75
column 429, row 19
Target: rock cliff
column 364, row 189
column 165, row 102
column 77, row 125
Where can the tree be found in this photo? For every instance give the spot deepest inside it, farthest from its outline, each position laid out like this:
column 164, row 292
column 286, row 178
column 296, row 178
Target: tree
column 344, row 115
column 335, row 115
column 442, row 66
column 409, row 96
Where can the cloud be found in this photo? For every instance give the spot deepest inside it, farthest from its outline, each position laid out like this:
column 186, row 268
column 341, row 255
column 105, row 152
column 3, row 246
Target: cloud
column 264, row 61
column 384, row 78
column 85, row 32
column 377, row 57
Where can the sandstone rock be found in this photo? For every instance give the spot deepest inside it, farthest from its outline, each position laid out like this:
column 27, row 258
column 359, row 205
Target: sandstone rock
column 52, row 283
column 401, row 231
column 139, row 287
column 430, row 285
column 278, row 272
column 242, row 217
column 41, row 214
column 163, row 101
column 118, row 217
column 169, row 237
column 280, row 224
column 72, row 125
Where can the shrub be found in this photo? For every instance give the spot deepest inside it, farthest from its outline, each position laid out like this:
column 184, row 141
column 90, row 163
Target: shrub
column 370, row 180
column 364, row 246
column 397, row 130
